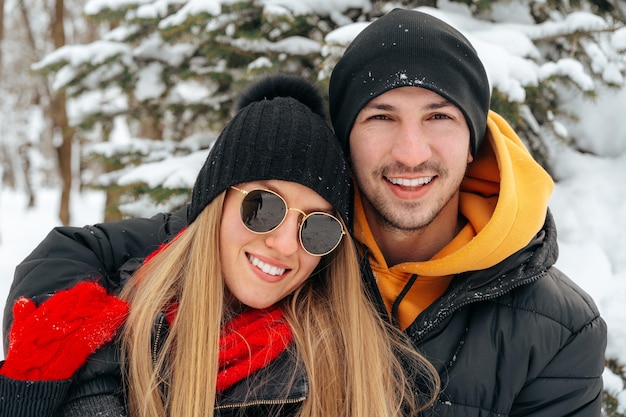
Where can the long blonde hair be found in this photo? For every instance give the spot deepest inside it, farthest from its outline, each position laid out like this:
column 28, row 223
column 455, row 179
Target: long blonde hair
column 357, row 365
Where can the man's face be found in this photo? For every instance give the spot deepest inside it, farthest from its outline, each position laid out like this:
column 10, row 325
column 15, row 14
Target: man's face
column 410, row 148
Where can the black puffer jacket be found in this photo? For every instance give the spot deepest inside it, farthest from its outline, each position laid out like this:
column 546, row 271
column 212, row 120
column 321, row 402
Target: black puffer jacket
column 110, row 253
column 507, row 341
column 261, row 394
column 513, row 340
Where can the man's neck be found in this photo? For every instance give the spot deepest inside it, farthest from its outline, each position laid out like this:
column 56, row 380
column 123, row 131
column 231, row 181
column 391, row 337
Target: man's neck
column 420, row 245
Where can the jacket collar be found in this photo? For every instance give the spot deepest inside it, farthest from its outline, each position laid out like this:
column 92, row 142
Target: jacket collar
column 521, row 268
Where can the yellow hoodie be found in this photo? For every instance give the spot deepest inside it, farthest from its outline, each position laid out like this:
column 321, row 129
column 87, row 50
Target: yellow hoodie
column 504, row 197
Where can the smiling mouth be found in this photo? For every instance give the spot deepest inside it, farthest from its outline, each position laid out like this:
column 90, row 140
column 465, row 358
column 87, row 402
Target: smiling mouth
column 405, row 182
column 266, row 268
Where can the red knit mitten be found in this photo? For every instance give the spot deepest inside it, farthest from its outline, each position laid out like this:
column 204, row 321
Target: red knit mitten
column 52, row 341
column 250, row 342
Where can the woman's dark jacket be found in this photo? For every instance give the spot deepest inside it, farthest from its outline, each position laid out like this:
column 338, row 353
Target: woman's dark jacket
column 512, row 340
column 97, row 386
column 263, row 393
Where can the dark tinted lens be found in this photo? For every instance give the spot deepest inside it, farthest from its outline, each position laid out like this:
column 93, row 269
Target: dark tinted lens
column 262, row 211
column 320, row 233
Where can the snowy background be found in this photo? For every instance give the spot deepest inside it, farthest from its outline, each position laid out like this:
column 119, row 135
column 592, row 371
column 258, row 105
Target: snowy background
column 589, row 202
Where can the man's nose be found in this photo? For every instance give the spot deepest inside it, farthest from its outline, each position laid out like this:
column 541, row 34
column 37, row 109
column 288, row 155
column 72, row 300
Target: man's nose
column 411, row 146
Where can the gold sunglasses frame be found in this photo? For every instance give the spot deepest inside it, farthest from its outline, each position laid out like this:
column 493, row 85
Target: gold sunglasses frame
column 301, row 223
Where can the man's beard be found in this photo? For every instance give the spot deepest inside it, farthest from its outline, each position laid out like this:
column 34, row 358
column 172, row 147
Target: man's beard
column 392, row 219
column 410, row 216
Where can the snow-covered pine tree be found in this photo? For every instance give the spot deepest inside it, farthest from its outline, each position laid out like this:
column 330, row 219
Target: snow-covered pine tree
column 165, row 75
column 171, row 69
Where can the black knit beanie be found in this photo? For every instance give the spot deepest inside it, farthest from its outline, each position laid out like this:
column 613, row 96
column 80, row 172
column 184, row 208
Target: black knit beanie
column 278, row 133
column 409, row 48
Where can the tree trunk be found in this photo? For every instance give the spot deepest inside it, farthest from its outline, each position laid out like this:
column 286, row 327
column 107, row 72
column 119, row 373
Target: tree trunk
column 64, row 155
column 1, row 36
column 112, row 205
column 60, row 122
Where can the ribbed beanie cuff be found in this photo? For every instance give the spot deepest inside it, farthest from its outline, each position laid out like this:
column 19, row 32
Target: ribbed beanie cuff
column 409, row 48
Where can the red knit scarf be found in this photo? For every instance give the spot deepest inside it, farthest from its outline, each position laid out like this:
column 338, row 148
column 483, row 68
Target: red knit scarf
column 248, row 342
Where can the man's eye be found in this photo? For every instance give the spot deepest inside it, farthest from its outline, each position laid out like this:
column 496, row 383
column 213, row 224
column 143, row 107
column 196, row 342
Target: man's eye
column 440, row 116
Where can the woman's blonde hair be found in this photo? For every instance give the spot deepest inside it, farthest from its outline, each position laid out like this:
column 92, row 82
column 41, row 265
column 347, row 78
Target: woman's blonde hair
column 357, row 365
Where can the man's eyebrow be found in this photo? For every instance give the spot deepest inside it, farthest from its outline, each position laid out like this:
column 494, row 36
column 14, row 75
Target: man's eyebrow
column 439, row 105
column 373, row 105
column 378, row 106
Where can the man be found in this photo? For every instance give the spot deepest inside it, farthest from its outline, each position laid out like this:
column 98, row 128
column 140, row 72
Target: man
column 451, row 211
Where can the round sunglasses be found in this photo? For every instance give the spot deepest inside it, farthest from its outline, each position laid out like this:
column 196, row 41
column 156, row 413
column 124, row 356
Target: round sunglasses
column 263, row 211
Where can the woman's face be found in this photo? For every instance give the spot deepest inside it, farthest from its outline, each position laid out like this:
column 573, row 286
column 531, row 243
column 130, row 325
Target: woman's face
column 261, row 269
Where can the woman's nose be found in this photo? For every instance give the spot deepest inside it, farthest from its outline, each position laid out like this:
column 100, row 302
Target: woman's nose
column 285, row 238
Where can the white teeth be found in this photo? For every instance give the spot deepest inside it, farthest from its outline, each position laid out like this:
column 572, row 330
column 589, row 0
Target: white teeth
column 410, row 183
column 268, row 269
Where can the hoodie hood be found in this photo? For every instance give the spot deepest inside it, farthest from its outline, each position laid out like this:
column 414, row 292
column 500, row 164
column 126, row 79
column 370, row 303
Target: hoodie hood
column 504, row 197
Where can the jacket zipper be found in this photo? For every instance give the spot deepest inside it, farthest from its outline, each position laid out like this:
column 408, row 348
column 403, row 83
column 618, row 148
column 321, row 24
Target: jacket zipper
column 260, row 402
column 155, row 345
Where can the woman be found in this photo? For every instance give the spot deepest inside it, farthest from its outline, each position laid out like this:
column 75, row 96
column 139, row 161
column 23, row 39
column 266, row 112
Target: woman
column 256, row 308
